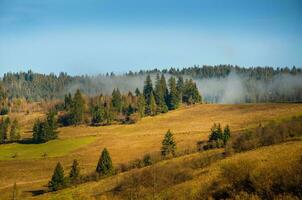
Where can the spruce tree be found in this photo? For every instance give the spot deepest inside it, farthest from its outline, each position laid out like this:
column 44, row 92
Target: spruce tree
column 180, row 87
column 15, row 131
column 117, row 100
column 4, row 129
column 168, row 144
column 226, row 134
column 216, row 133
column 108, row 113
column 77, row 109
column 104, row 166
column 98, row 114
column 173, row 94
column 137, row 92
column 160, row 89
column 191, row 94
column 148, row 91
column 57, row 181
column 153, row 106
column 141, row 105
column 51, row 126
column 74, row 172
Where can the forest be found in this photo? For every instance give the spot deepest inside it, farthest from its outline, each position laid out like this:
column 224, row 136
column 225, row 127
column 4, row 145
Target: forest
column 216, row 83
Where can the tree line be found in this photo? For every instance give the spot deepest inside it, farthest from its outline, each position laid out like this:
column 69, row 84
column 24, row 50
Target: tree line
column 35, row 87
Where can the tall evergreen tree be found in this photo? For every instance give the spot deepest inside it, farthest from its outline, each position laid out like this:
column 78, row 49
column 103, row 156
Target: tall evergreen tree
column 46, row 130
column 68, row 102
column 15, row 131
column 117, row 100
column 109, row 113
column 226, row 134
column 4, row 126
column 191, row 94
column 77, row 109
column 137, row 92
column 173, row 94
column 98, row 114
column 160, row 89
column 104, row 166
column 153, row 106
column 57, row 181
column 51, row 126
column 180, row 87
column 148, row 91
column 168, row 144
column 141, row 105
column 74, row 172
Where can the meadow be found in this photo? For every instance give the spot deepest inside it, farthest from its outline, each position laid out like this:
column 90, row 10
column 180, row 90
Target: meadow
column 189, row 124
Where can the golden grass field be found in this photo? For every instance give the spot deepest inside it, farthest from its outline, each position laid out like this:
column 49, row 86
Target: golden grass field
column 128, row 142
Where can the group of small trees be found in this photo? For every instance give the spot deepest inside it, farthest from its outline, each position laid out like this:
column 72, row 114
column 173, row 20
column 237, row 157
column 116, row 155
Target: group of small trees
column 128, row 108
column 46, row 130
column 59, row 181
column 162, row 98
column 218, row 137
column 9, row 131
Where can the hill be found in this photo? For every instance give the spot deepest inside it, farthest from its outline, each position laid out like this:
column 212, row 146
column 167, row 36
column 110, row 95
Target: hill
column 33, row 169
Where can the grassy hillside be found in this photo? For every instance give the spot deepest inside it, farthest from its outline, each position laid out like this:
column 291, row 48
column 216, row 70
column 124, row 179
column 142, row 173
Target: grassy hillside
column 125, row 142
column 261, row 163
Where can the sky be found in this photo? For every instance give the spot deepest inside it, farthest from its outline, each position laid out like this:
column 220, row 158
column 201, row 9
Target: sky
column 99, row 36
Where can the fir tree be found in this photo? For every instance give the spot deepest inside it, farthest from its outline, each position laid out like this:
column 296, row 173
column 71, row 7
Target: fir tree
column 226, row 134
column 191, row 94
column 148, row 91
column 104, row 166
column 216, row 133
column 160, row 89
column 98, row 114
column 4, row 126
column 77, row 109
column 117, row 100
column 152, row 105
column 141, row 105
column 108, row 113
column 180, row 87
column 57, row 181
column 74, row 172
column 168, row 144
column 15, row 131
column 51, row 126
column 173, row 94
column 137, row 92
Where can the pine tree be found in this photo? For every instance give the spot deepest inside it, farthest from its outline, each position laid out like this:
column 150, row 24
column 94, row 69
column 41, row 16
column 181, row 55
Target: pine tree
column 108, row 113
column 152, row 105
column 137, row 92
column 226, row 134
column 57, row 181
column 98, row 114
column 104, row 166
column 4, row 125
column 216, row 133
column 160, row 89
column 15, row 131
column 117, row 100
column 77, row 109
column 67, row 102
column 51, row 126
column 168, row 144
column 141, row 105
column 74, row 172
column 173, row 94
column 191, row 94
column 148, row 91
column 180, row 87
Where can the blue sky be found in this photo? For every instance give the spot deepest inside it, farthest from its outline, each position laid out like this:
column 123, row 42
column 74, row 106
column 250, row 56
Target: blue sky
column 98, row 36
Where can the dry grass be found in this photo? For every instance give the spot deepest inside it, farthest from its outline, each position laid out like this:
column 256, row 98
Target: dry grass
column 128, row 142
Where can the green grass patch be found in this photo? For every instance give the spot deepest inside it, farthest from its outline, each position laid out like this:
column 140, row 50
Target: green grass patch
column 53, row 148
